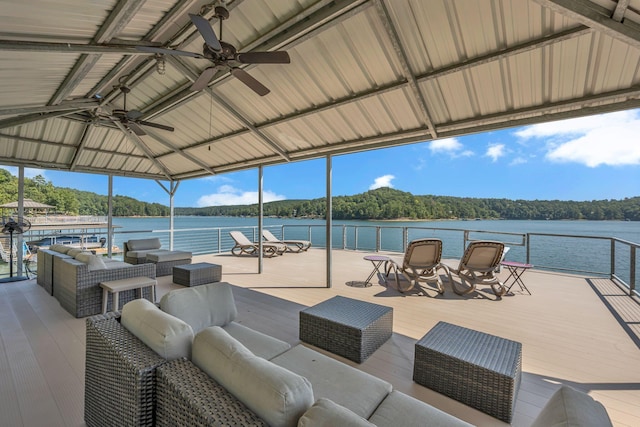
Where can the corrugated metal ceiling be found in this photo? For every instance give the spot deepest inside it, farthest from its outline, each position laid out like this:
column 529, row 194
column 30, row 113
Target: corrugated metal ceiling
column 363, row 74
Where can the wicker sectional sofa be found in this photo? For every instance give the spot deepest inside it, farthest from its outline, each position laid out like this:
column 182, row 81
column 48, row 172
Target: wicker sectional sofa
column 141, row 251
column 204, row 369
column 73, row 277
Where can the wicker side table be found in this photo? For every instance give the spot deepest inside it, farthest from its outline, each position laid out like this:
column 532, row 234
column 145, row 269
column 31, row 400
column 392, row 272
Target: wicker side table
column 350, row 328
column 196, row 274
column 478, row 369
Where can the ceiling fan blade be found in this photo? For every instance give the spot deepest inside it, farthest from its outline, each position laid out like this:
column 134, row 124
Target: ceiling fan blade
column 135, row 128
column 206, row 31
column 278, row 57
column 204, row 79
column 164, row 51
column 155, row 125
column 246, row 78
column 133, row 114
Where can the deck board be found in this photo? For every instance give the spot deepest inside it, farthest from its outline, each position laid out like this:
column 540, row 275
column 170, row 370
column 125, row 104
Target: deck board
column 578, row 331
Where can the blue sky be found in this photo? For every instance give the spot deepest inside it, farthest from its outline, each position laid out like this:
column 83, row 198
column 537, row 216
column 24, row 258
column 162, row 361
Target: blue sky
column 590, row 158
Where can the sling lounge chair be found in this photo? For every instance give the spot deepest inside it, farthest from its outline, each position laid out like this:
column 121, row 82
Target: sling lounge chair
column 292, row 245
column 420, row 264
column 478, row 267
column 244, row 246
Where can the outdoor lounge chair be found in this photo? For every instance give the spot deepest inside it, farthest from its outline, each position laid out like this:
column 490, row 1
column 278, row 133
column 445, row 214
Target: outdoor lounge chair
column 420, row 264
column 292, row 245
column 244, row 246
column 478, row 267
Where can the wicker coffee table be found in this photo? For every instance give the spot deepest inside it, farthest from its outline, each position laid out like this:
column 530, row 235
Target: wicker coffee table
column 478, row 369
column 196, row 274
column 350, row 328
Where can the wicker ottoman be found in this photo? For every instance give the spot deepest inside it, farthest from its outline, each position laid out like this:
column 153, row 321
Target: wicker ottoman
column 196, row 274
column 478, row 369
column 350, row 328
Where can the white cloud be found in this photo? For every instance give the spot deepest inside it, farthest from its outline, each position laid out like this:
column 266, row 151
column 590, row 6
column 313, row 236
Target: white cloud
column 449, row 146
column 606, row 139
column 382, row 181
column 229, row 195
column 518, row 161
column 495, row 151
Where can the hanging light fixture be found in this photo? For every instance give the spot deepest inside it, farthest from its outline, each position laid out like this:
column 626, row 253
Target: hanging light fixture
column 160, row 64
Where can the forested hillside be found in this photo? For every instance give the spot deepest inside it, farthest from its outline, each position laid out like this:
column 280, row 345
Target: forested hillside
column 74, row 202
column 387, row 203
column 379, row 204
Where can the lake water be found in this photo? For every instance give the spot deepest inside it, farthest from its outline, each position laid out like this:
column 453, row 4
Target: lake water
column 203, row 235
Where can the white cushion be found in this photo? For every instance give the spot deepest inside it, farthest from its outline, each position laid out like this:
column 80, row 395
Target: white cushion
column 60, row 248
column 569, row 407
column 74, row 251
column 164, row 256
column 94, row 262
column 262, row 345
column 201, row 306
column 143, row 244
column 326, row 413
column 276, row 395
column 399, row 409
column 168, row 336
column 352, row 388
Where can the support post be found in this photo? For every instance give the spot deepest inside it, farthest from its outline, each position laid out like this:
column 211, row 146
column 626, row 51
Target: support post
column 110, row 218
column 329, row 222
column 260, row 217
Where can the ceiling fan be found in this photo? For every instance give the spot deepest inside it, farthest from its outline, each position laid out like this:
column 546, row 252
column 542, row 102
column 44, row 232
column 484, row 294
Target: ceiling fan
column 223, row 55
column 131, row 118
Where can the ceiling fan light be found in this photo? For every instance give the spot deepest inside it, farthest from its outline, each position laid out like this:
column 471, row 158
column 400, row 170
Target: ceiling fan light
column 161, row 64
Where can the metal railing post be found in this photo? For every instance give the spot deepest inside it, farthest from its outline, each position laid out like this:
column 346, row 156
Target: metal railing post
column 632, row 271
column 378, row 238
column 356, row 237
column 528, row 249
column 613, row 259
column 344, row 237
column 405, row 238
column 219, row 240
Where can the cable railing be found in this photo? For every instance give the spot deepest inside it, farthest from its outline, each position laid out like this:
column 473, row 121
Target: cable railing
column 594, row 255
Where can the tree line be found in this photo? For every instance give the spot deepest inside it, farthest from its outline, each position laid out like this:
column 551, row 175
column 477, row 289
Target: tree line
column 379, row 204
column 388, row 203
column 68, row 201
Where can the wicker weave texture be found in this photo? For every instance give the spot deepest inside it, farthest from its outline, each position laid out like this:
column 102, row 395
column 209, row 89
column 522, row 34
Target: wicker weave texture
column 478, row 369
column 197, row 274
column 119, row 375
column 350, row 328
column 186, row 396
column 78, row 289
column 165, row 268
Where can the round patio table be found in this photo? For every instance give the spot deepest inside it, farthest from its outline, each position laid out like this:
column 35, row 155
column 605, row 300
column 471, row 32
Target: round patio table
column 377, row 261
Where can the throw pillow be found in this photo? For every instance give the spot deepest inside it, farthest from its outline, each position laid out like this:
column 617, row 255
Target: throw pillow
column 168, row 336
column 94, row 262
column 326, row 413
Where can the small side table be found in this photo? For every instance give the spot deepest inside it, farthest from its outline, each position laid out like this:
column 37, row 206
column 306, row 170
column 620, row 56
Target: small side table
column 377, row 261
column 516, row 270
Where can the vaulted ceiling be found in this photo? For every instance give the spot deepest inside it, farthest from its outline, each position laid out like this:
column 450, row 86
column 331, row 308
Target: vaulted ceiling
column 364, row 74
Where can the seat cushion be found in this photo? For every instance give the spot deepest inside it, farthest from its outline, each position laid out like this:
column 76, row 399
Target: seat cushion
column 164, row 256
column 357, row 391
column 201, row 306
column 143, row 244
column 262, row 345
column 569, row 407
column 94, row 262
column 275, row 394
column 165, row 334
column 325, row 413
column 399, row 409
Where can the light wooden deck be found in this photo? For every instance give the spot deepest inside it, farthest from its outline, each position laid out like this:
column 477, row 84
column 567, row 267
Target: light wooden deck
column 578, row 331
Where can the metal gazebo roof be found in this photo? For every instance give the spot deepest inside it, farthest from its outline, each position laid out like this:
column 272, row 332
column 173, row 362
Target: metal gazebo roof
column 363, row 74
